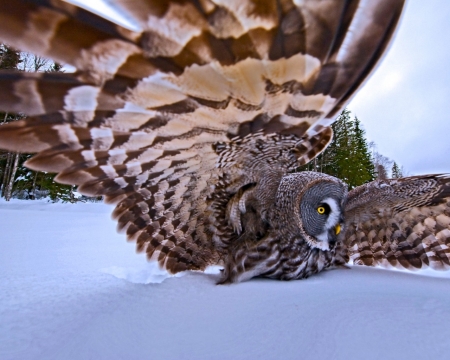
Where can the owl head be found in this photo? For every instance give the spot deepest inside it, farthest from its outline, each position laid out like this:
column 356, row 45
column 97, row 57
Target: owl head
column 316, row 203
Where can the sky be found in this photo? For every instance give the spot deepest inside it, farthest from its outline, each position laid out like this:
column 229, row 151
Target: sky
column 405, row 105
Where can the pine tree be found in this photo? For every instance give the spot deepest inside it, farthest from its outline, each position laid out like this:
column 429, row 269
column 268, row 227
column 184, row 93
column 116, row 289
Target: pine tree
column 334, row 159
column 363, row 169
column 344, row 154
column 348, row 156
column 9, row 57
column 396, row 171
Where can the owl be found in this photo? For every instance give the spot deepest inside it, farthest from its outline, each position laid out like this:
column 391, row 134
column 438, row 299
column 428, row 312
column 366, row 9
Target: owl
column 193, row 123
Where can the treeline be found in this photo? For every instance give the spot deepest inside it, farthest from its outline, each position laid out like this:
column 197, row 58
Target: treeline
column 17, row 181
column 350, row 157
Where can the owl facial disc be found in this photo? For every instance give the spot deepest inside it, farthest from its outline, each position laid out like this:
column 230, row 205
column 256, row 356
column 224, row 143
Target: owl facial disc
column 321, row 212
column 334, row 218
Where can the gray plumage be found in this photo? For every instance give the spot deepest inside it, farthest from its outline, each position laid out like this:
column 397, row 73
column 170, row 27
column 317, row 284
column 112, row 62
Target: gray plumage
column 192, row 124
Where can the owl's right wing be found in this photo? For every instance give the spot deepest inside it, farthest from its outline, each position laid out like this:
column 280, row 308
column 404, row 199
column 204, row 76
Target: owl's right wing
column 403, row 223
column 155, row 119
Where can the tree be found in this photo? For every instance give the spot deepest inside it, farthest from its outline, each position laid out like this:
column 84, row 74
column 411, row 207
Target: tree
column 9, row 57
column 364, row 170
column 348, row 156
column 396, row 171
column 382, row 163
column 9, row 60
column 15, row 178
column 381, row 172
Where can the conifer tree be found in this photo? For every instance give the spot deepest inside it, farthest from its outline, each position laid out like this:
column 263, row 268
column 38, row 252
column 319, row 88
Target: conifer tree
column 364, row 171
column 343, row 154
column 9, row 57
column 348, row 156
column 396, row 171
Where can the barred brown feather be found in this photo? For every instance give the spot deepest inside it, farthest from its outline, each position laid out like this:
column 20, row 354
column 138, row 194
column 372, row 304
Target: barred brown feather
column 403, row 223
column 173, row 121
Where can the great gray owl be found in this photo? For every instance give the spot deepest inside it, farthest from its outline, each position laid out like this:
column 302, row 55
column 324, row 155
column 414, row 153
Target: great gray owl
column 193, row 124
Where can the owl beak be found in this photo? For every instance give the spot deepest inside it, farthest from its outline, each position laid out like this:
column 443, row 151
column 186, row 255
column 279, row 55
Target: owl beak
column 337, row 229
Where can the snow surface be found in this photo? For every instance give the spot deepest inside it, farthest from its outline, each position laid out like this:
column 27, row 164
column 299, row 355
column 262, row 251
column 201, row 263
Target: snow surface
column 72, row 288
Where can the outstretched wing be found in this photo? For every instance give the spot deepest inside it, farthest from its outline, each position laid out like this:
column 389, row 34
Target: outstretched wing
column 404, row 223
column 169, row 121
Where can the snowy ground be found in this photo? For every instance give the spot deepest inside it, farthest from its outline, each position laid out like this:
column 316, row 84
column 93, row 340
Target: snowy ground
column 71, row 288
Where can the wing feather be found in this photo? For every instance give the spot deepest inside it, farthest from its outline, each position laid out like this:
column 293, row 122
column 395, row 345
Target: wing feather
column 403, row 223
column 68, row 34
column 168, row 121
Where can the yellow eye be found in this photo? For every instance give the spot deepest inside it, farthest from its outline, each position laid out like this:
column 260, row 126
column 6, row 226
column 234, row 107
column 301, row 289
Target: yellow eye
column 321, row 210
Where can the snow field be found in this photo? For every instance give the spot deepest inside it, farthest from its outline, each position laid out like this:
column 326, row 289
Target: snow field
column 72, row 288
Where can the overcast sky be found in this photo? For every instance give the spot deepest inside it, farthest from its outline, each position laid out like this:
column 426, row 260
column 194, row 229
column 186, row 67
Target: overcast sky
column 405, row 104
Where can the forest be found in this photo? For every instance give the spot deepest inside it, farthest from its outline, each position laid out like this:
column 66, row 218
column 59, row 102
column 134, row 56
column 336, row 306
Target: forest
column 349, row 157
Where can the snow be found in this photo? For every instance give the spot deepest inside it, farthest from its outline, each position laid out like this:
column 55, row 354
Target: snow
column 72, row 288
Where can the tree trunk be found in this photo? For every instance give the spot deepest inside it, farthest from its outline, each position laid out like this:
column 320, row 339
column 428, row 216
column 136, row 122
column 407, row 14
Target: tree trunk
column 4, row 178
column 33, row 188
column 72, row 196
column 2, row 175
column 6, row 173
column 8, row 190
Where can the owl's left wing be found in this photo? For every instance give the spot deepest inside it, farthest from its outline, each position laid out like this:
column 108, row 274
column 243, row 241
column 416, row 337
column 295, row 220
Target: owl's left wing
column 163, row 119
column 403, row 223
